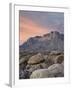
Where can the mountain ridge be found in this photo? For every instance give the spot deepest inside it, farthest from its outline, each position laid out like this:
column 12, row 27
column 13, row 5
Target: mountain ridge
column 48, row 42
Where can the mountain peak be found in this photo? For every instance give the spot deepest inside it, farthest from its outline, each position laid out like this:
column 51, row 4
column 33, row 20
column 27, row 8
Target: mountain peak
column 54, row 32
column 51, row 33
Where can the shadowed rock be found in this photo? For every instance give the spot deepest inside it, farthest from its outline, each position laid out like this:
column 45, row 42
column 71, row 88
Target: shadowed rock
column 23, row 74
column 55, row 70
column 59, row 59
column 24, row 59
column 34, row 67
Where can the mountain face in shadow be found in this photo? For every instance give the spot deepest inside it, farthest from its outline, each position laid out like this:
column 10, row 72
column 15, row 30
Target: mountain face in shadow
column 48, row 42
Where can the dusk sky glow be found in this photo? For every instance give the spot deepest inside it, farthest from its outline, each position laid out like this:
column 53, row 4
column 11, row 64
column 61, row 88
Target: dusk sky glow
column 35, row 23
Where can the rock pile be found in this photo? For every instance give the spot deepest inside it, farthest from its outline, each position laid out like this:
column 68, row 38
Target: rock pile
column 41, row 65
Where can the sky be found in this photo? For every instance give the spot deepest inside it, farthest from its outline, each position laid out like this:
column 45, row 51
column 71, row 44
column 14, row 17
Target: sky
column 36, row 23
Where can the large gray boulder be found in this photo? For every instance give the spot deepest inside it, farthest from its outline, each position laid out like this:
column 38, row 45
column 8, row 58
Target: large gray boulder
column 40, row 73
column 55, row 70
column 36, row 59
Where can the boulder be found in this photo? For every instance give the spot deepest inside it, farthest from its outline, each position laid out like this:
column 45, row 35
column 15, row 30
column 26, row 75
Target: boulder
column 40, row 73
column 55, row 70
column 34, row 67
column 59, row 59
column 24, row 59
column 50, row 60
column 53, row 59
column 38, row 58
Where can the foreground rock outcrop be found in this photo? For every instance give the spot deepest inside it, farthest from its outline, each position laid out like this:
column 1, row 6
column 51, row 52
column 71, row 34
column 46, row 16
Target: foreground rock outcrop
column 41, row 65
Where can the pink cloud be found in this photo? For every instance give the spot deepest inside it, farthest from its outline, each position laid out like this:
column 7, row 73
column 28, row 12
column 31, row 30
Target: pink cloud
column 29, row 28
